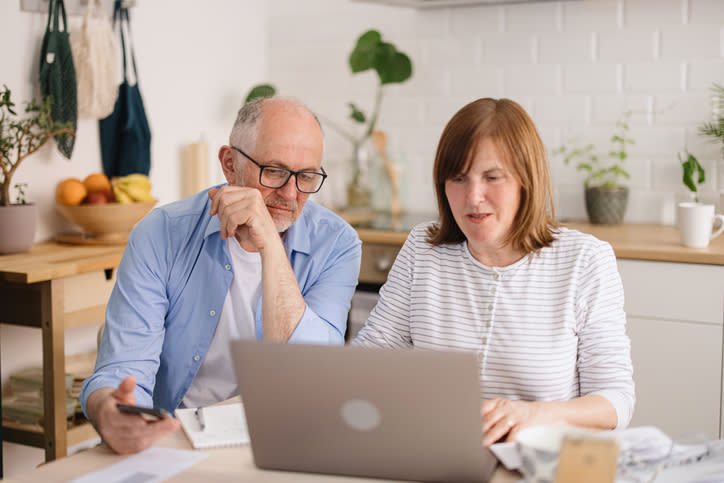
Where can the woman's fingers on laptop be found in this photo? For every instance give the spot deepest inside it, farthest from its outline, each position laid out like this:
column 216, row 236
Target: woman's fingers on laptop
column 502, row 419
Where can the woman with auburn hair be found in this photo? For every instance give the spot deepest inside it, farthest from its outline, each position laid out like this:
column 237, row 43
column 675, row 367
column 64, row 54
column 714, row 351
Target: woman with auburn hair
column 541, row 305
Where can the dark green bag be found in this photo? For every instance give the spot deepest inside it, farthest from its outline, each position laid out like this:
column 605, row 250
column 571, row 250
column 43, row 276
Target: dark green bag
column 125, row 134
column 57, row 75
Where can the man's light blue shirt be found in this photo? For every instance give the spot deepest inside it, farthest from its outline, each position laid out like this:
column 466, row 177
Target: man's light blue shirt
column 172, row 283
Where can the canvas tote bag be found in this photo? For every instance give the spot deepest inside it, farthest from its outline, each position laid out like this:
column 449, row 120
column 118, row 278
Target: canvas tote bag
column 95, row 52
column 57, row 75
column 125, row 135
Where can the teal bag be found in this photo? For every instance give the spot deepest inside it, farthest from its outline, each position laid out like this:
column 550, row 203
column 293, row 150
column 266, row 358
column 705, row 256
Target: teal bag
column 125, row 136
column 57, row 76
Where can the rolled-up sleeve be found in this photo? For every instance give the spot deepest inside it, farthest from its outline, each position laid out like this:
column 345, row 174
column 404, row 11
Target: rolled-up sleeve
column 134, row 331
column 328, row 294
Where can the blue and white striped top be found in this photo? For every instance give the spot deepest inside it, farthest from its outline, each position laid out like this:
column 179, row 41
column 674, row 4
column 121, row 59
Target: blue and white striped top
column 549, row 327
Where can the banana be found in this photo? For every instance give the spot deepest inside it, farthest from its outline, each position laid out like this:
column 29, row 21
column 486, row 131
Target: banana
column 136, row 187
column 136, row 179
column 136, row 192
column 121, row 195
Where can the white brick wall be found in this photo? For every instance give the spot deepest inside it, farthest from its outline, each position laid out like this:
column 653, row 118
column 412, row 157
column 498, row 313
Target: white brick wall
column 574, row 65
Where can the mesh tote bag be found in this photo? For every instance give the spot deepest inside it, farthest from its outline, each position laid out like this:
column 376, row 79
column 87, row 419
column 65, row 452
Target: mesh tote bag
column 125, row 134
column 95, row 53
column 57, row 75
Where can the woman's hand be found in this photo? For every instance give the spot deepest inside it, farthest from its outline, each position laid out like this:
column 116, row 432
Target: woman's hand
column 503, row 418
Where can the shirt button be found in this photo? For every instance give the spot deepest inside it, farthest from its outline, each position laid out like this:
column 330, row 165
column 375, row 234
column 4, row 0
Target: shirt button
column 490, row 307
column 493, row 290
column 197, row 358
column 481, row 356
column 227, row 266
column 496, row 276
column 212, row 313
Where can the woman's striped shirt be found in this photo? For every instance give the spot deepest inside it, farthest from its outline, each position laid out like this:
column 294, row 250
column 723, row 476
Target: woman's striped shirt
column 550, row 327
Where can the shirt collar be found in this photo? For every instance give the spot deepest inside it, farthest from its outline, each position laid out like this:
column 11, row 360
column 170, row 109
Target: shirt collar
column 297, row 237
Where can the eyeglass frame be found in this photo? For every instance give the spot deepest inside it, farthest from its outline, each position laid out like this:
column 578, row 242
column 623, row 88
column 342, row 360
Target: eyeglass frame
column 296, row 174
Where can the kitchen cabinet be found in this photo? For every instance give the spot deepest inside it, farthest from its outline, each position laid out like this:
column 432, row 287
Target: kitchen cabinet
column 675, row 315
column 55, row 287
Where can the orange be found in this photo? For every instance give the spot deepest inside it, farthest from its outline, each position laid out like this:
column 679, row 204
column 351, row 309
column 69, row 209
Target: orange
column 97, row 182
column 70, row 192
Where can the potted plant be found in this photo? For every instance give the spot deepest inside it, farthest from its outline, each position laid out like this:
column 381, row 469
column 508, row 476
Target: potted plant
column 391, row 66
column 606, row 197
column 19, row 138
column 694, row 174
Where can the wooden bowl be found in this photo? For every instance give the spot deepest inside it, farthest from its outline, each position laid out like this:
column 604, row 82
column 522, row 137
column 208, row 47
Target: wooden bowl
column 107, row 222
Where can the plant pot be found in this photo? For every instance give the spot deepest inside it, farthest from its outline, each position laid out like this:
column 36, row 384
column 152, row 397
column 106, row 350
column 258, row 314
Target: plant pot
column 17, row 228
column 606, row 206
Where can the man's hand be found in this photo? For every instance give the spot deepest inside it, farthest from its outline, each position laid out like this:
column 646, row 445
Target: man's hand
column 125, row 433
column 242, row 212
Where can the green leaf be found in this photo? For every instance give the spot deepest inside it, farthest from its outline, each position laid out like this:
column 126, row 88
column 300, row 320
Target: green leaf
column 394, row 69
column 261, row 90
column 688, row 178
column 356, row 113
column 369, row 39
column 690, row 167
column 363, row 56
column 617, row 170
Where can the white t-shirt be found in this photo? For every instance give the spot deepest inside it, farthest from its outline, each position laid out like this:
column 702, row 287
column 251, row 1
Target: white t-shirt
column 215, row 380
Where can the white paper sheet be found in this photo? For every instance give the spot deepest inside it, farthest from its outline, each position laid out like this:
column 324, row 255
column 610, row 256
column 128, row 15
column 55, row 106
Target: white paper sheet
column 150, row 466
column 507, row 454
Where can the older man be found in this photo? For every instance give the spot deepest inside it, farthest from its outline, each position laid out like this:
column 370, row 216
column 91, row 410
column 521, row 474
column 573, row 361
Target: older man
column 250, row 259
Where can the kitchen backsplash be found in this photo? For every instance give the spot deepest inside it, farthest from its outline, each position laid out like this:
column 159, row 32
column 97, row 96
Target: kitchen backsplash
column 575, row 66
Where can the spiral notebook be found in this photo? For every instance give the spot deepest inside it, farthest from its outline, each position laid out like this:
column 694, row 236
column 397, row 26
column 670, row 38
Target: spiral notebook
column 225, row 425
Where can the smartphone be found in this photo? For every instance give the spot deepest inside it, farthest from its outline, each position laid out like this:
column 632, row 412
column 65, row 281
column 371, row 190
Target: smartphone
column 149, row 414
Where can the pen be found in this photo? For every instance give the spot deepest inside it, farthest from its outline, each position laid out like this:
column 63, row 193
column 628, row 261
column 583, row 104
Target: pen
column 200, row 417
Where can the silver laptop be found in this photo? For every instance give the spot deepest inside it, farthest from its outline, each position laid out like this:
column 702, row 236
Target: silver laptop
column 398, row 414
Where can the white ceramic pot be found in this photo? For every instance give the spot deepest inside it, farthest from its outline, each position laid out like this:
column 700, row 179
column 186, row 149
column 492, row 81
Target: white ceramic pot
column 17, row 228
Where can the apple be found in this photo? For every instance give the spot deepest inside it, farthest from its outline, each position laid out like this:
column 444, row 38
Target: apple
column 95, row 198
column 110, row 197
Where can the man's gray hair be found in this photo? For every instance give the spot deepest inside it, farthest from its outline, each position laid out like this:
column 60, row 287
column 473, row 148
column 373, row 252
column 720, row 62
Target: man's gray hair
column 246, row 128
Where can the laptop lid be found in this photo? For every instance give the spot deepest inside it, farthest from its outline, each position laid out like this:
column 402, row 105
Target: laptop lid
column 400, row 414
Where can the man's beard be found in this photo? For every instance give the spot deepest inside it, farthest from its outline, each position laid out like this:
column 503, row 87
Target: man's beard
column 283, row 222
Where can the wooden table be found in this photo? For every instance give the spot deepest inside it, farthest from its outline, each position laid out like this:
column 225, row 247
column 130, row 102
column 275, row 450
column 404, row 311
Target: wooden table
column 55, row 287
column 223, row 465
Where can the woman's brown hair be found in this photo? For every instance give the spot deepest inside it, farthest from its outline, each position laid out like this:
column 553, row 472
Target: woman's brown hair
column 509, row 127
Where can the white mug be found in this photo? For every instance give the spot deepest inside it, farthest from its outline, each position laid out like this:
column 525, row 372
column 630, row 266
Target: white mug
column 696, row 222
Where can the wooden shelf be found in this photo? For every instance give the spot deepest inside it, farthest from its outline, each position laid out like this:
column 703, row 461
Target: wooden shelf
column 34, row 434
column 54, row 287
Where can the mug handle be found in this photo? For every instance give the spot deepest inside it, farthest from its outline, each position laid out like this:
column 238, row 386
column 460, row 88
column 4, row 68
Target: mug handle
column 721, row 226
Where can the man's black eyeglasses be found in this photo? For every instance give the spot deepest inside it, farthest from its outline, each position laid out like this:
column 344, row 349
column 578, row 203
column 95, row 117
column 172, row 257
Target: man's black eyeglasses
column 275, row 176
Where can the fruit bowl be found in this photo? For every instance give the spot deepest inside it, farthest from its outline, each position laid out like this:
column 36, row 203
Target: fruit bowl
column 104, row 222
